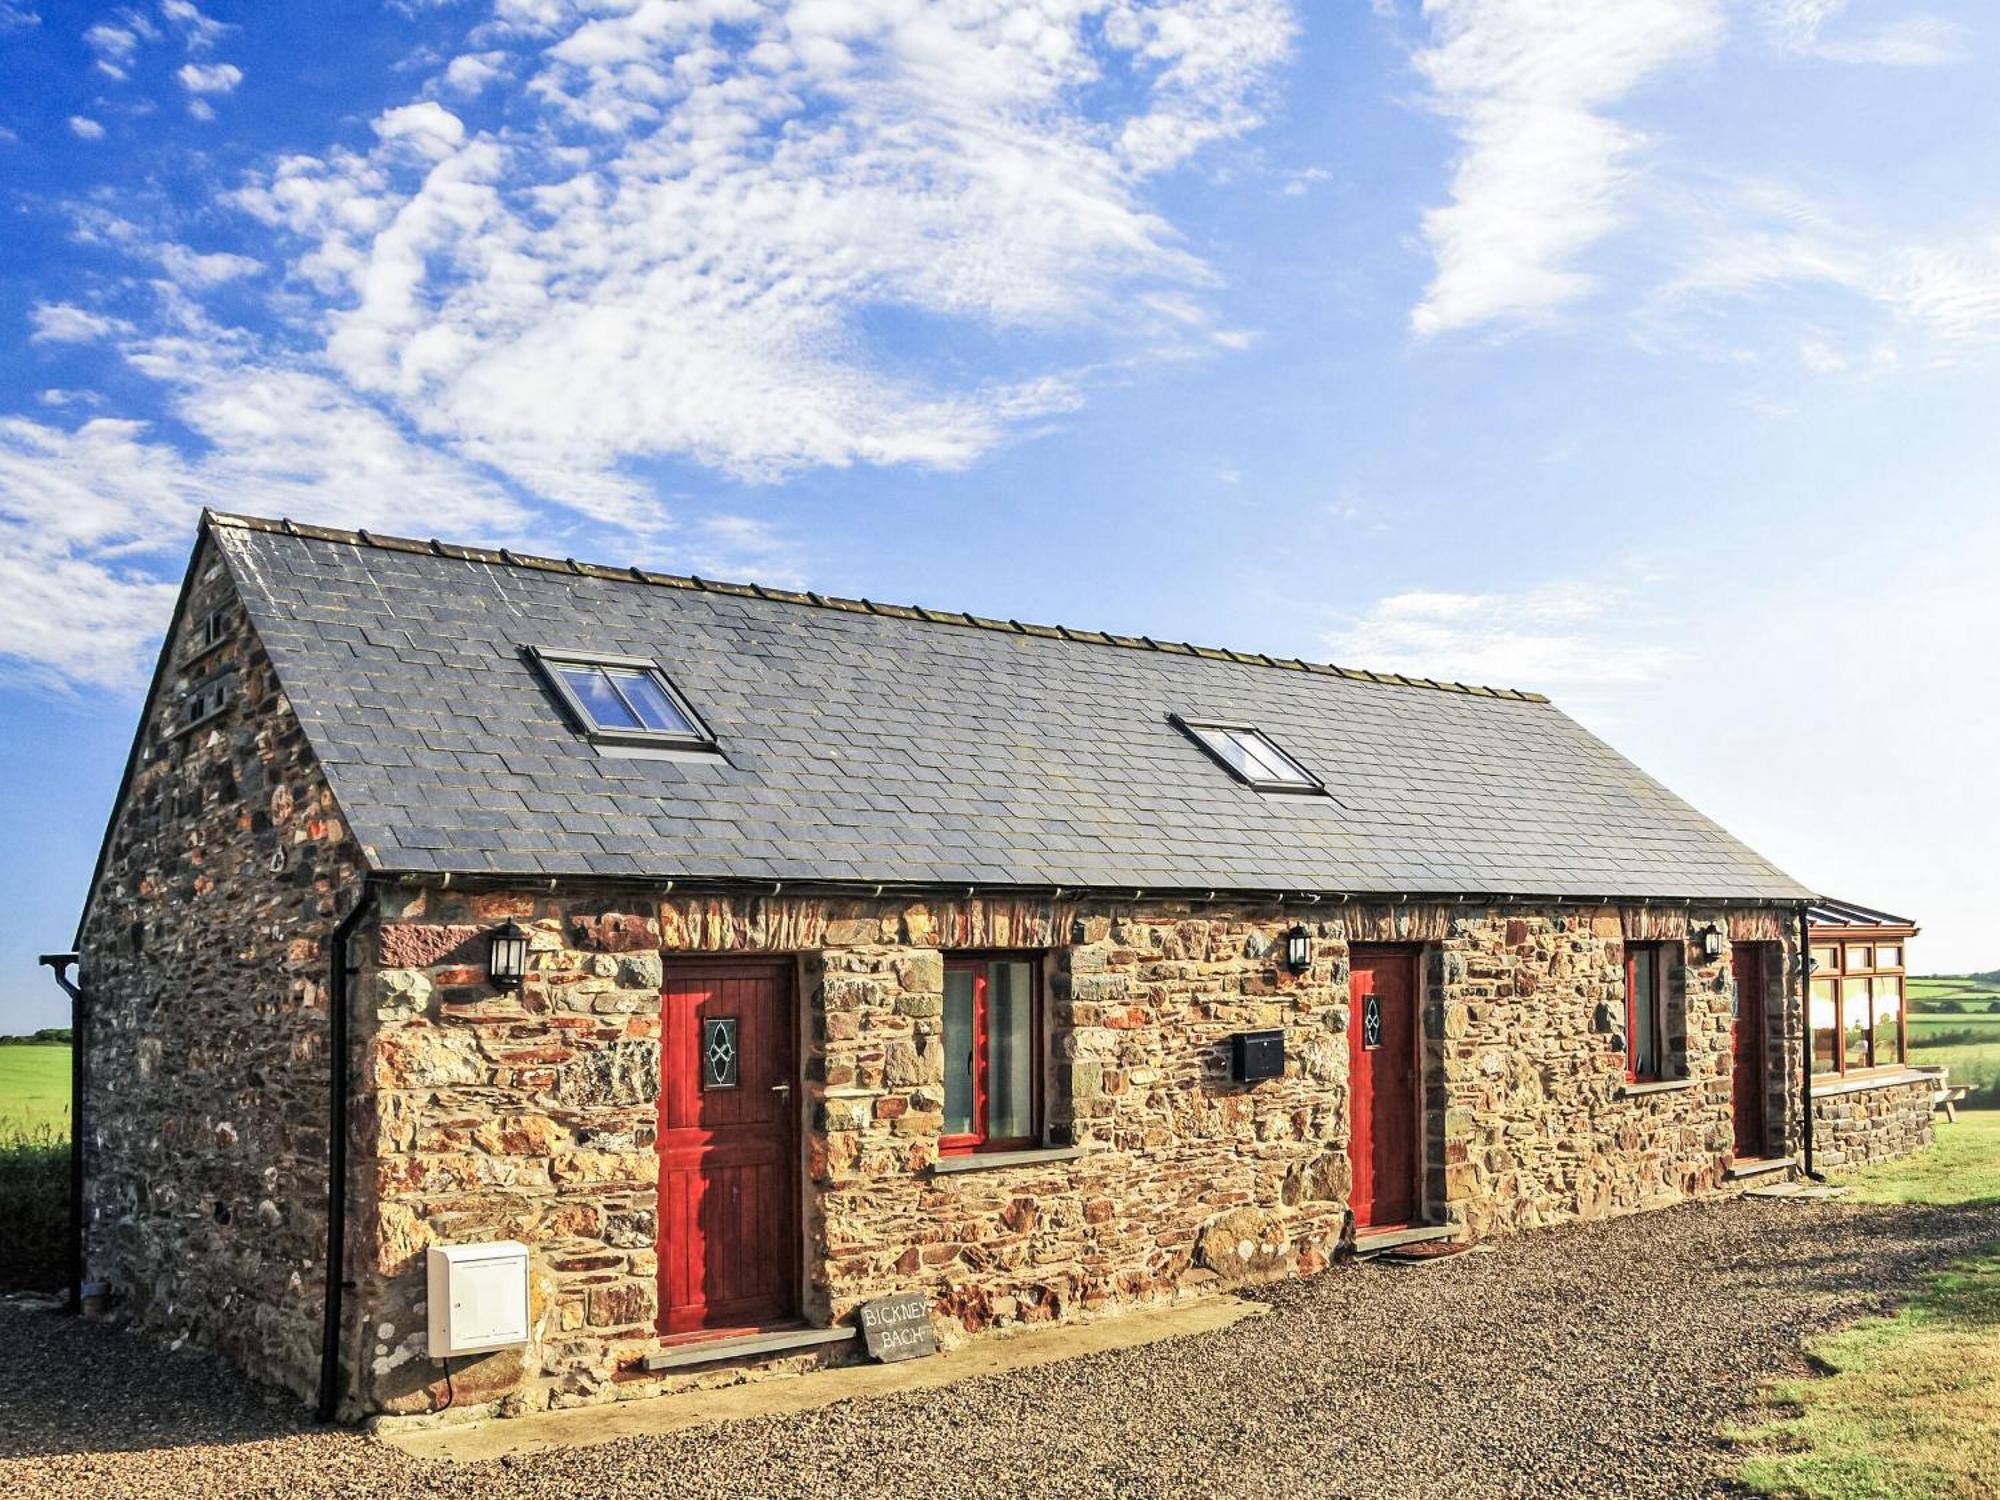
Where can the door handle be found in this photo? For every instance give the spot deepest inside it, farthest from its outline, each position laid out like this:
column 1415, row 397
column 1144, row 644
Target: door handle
column 781, row 1088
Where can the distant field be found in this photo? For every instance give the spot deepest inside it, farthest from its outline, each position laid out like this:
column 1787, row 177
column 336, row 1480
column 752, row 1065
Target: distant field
column 34, row 1091
column 1935, row 993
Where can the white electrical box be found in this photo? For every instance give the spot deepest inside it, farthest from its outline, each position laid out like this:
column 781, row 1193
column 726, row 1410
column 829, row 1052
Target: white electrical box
column 478, row 1297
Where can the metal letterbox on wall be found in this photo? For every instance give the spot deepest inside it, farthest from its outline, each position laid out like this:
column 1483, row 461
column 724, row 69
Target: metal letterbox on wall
column 1256, row 1055
column 478, row 1297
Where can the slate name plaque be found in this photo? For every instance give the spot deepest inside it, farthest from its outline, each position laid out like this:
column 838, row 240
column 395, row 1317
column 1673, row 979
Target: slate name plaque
column 898, row 1327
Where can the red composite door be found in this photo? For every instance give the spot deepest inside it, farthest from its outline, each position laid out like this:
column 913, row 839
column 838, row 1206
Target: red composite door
column 1382, row 1076
column 729, row 1166
column 1747, row 960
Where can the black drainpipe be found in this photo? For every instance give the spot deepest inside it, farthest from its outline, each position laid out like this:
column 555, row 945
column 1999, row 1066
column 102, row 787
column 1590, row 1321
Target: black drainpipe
column 59, row 964
column 1805, row 1031
column 336, row 1153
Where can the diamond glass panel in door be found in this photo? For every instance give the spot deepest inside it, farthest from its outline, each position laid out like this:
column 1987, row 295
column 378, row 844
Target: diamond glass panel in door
column 650, row 701
column 600, row 699
column 1010, row 1071
column 960, row 1049
column 720, row 1057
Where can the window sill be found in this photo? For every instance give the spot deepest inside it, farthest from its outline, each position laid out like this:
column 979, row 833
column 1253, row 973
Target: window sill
column 1655, row 1086
column 1858, row 1082
column 980, row 1161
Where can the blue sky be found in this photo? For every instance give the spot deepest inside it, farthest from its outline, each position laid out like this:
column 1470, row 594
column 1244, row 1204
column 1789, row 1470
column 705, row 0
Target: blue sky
column 1643, row 353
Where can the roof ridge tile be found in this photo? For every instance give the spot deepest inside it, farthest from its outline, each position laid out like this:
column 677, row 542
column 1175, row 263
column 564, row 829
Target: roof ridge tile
column 504, row 557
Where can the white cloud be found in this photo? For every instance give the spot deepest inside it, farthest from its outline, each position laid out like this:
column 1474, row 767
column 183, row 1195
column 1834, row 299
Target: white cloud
column 674, row 263
column 733, row 546
column 66, row 323
column 1941, row 293
column 1916, row 41
column 430, row 127
column 471, row 72
column 1543, row 166
column 1555, row 636
column 88, row 514
column 114, row 47
column 198, row 272
column 209, row 78
column 198, row 31
column 1951, row 288
column 86, row 128
column 673, row 249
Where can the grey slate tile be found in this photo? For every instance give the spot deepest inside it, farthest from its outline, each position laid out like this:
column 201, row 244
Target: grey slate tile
column 863, row 746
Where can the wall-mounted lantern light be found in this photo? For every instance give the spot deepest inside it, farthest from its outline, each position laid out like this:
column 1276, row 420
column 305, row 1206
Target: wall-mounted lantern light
column 507, row 957
column 1711, row 942
column 1298, row 950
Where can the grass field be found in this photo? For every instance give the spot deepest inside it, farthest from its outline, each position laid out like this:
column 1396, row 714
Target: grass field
column 1938, row 992
column 1909, row 1406
column 34, row 1090
column 1964, row 1038
column 34, row 1166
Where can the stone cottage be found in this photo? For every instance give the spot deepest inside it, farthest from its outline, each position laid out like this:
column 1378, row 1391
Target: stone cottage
column 749, row 955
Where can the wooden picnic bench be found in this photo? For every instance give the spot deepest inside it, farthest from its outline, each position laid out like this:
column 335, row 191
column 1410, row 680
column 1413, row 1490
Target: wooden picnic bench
column 1948, row 1097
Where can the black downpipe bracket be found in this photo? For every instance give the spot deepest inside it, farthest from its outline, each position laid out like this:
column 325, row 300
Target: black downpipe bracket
column 58, row 964
column 338, row 1093
column 1805, row 1033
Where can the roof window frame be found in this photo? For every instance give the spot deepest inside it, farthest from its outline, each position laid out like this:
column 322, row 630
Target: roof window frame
column 1309, row 786
column 549, row 662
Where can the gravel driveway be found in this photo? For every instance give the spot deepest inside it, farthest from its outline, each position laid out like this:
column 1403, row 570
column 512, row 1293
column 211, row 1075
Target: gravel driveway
column 1595, row 1359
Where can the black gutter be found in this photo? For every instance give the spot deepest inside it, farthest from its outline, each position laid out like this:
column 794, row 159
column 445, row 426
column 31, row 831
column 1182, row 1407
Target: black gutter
column 338, row 1094
column 58, row 964
column 860, row 888
column 1805, row 1033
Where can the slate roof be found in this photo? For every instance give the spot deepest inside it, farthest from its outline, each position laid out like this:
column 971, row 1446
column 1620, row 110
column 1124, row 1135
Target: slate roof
column 869, row 743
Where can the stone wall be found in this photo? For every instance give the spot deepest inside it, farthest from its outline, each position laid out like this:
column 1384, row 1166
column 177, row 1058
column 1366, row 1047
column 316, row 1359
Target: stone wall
column 1856, row 1123
column 206, row 1103
column 531, row 1114
column 1526, row 1070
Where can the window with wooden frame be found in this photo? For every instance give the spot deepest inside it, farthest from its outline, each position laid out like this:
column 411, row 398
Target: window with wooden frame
column 1859, row 1012
column 992, row 1053
column 1646, row 1030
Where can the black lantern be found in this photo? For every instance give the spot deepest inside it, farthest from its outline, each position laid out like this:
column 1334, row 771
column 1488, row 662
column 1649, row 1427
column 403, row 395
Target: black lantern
column 1298, row 950
column 1711, row 942
column 507, row 958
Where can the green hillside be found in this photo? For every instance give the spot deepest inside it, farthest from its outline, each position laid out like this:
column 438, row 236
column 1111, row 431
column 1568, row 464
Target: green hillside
column 34, row 1090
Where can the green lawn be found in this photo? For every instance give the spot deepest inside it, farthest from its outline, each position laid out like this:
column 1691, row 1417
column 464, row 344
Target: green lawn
column 34, row 1091
column 1909, row 1406
column 1969, row 1045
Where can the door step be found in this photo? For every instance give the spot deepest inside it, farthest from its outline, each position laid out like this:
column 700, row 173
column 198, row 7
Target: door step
column 715, row 1351
column 1370, row 1243
column 1747, row 1167
column 1805, row 1191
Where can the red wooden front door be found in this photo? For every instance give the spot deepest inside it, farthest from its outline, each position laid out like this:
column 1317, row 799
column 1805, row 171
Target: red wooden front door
column 1382, row 1086
column 729, row 1166
column 1747, row 960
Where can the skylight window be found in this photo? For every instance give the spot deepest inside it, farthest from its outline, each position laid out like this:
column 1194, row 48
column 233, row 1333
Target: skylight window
column 622, row 699
column 1251, row 756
